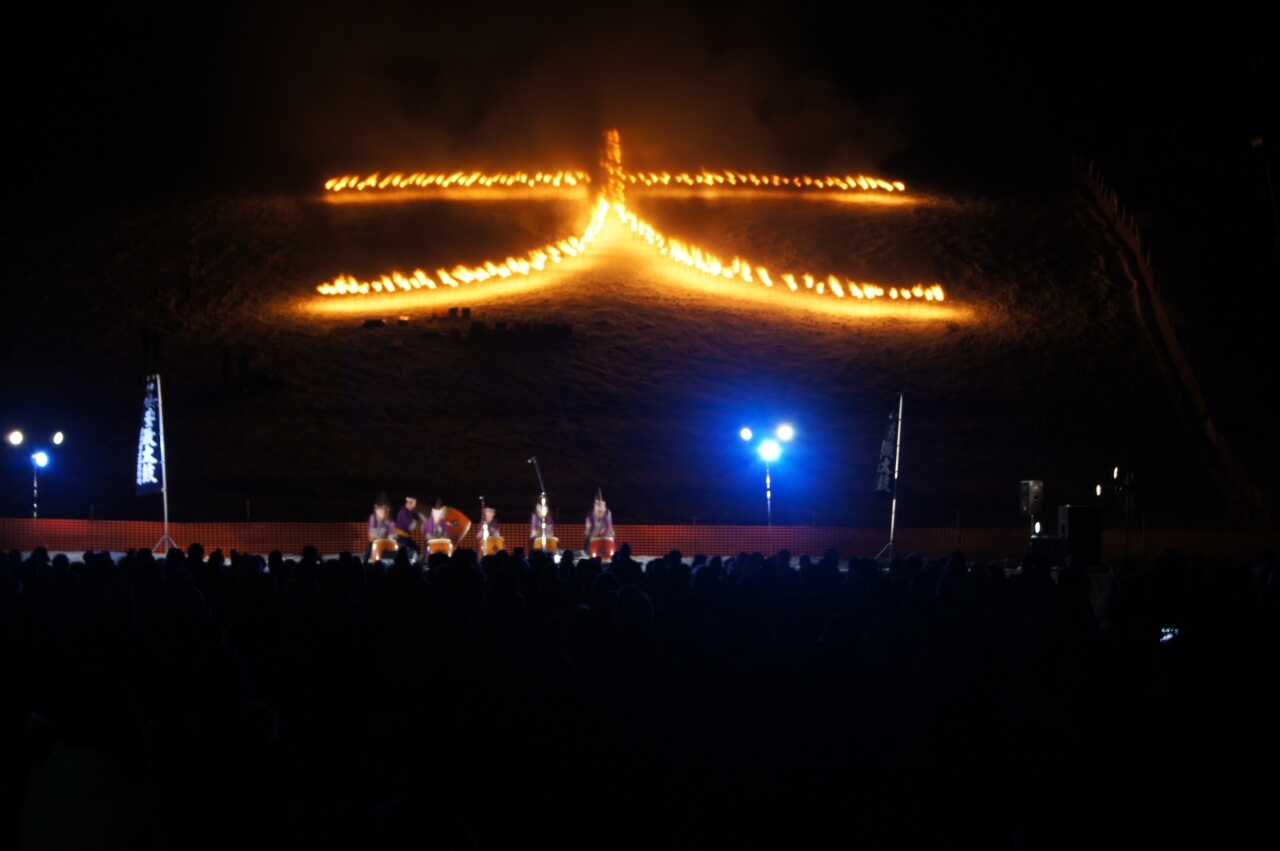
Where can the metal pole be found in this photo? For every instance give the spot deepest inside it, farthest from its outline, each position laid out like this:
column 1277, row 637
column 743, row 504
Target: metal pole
column 166, row 541
column 164, row 472
column 542, row 521
column 534, row 461
column 35, row 490
column 768, row 494
column 897, row 462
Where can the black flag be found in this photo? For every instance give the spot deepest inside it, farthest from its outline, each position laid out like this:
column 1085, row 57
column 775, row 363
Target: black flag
column 150, row 471
column 888, row 453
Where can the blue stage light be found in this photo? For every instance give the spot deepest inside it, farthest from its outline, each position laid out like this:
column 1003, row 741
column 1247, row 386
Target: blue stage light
column 770, row 450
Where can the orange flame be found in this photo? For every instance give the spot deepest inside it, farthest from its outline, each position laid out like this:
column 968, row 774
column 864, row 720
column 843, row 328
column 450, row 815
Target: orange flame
column 613, row 197
column 458, row 179
column 534, row 261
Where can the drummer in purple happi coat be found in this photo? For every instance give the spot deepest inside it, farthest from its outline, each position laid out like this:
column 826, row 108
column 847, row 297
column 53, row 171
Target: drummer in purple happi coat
column 599, row 519
column 540, row 521
column 436, row 525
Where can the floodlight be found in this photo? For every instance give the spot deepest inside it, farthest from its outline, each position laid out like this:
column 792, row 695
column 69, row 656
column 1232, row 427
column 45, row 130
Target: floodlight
column 769, row 450
column 57, row 438
column 15, row 437
column 41, row 459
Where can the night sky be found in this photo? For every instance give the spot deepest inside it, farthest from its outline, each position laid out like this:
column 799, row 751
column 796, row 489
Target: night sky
column 170, row 95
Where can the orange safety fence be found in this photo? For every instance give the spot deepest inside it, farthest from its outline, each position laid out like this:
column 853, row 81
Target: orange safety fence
column 74, row 536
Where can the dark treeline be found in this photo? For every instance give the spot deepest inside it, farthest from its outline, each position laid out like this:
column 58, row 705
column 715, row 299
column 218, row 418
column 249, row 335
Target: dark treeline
column 201, row 701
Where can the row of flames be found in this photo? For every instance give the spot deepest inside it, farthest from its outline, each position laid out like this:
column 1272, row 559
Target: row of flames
column 458, row 179
column 534, row 261
column 846, row 183
column 558, row 179
column 613, row 198
column 743, row 270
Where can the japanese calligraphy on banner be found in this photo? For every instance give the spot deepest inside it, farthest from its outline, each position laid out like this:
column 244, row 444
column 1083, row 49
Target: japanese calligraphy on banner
column 885, row 479
column 150, row 478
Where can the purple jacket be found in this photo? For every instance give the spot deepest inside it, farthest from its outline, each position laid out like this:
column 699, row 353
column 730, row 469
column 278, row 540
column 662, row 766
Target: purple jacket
column 434, row 529
column 383, row 528
column 599, row 527
column 535, row 525
column 407, row 522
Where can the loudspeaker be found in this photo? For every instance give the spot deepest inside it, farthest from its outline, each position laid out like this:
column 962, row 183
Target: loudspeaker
column 1049, row 550
column 1031, row 498
column 1081, row 528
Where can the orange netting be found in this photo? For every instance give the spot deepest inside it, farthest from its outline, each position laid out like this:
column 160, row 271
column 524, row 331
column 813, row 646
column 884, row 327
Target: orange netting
column 331, row 538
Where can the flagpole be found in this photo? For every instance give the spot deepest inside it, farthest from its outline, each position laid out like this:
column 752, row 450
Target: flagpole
column 165, row 541
column 897, row 461
column 893, row 508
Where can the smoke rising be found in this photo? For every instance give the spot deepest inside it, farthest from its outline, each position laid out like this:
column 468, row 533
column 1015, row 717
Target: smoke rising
column 394, row 86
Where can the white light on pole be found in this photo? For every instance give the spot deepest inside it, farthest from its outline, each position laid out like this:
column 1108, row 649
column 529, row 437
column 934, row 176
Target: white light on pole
column 39, row 458
column 769, row 450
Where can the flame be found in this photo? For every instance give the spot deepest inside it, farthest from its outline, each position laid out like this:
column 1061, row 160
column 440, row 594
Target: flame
column 457, row 180
column 534, row 261
column 612, row 198
column 571, row 179
column 749, row 272
column 840, row 183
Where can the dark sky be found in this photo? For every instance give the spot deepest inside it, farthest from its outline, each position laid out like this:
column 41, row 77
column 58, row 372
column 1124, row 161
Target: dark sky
column 178, row 92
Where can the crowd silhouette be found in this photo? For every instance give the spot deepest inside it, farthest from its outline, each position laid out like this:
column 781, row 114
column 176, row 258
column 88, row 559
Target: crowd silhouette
column 205, row 700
